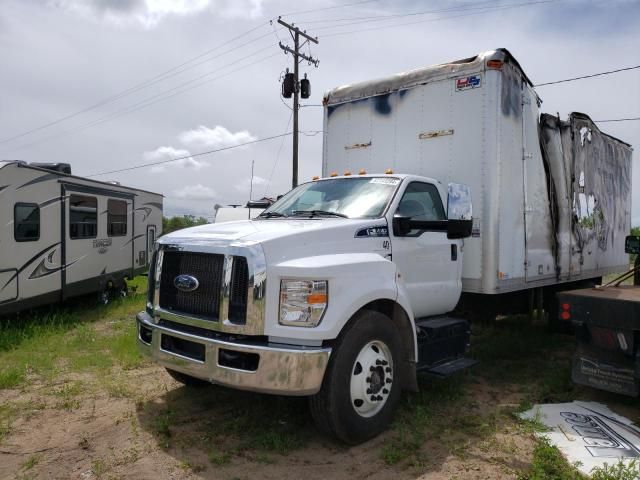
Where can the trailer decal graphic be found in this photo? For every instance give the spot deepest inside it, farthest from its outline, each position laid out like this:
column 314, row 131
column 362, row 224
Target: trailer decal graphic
column 45, row 267
column 29, row 262
column 40, row 179
column 467, row 83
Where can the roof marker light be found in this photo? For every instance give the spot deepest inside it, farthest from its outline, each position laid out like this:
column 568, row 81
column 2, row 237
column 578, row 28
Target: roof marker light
column 388, row 171
column 494, row 64
column 362, row 172
column 315, row 177
column 347, row 173
column 334, row 174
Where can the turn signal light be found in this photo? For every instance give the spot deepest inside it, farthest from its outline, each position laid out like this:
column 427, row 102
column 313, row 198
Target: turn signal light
column 566, row 314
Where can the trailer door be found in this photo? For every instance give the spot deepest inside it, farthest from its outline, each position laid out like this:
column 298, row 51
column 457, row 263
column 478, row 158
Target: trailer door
column 97, row 238
column 540, row 262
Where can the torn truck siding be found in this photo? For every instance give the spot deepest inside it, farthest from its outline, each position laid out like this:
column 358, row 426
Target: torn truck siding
column 591, row 179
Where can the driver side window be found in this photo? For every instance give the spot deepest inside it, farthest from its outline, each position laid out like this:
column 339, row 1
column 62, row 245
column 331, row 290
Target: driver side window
column 421, row 201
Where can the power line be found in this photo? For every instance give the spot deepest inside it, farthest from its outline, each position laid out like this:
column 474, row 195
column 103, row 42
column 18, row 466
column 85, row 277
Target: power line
column 209, row 152
column 588, row 76
column 147, row 83
column 376, row 18
column 300, row 12
column 618, row 120
column 446, row 17
column 178, row 90
column 275, row 164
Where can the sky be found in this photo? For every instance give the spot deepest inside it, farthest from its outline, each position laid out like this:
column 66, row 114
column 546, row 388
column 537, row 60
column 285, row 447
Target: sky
column 110, row 84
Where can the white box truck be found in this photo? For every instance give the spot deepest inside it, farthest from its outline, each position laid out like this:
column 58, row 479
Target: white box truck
column 341, row 290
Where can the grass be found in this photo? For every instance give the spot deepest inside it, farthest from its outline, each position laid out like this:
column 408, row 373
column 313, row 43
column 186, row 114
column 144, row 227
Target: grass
column 67, row 339
column 548, row 463
column 75, row 351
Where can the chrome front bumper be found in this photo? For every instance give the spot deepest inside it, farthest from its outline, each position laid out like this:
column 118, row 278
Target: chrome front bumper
column 278, row 370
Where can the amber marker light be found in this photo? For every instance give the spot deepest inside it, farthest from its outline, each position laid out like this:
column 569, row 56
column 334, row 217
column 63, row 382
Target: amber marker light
column 334, row 174
column 315, row 177
column 362, row 172
column 316, row 298
column 388, row 171
column 347, row 173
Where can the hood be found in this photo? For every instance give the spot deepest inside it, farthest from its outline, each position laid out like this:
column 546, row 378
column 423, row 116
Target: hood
column 285, row 239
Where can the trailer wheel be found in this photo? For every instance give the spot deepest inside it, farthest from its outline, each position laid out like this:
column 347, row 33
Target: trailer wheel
column 188, row 380
column 359, row 393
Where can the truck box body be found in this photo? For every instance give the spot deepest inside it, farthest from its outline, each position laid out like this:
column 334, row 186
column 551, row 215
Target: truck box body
column 65, row 235
column 552, row 199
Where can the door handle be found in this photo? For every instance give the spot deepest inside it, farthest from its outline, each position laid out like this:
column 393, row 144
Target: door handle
column 454, row 252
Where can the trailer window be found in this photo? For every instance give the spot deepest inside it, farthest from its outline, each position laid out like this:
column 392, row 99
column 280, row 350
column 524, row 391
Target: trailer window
column 83, row 217
column 26, row 222
column 116, row 218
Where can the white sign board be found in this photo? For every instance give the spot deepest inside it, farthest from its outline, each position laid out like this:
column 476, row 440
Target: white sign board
column 588, row 433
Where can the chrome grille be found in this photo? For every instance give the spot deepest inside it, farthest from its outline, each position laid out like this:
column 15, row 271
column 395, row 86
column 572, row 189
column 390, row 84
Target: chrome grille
column 238, row 289
column 207, row 268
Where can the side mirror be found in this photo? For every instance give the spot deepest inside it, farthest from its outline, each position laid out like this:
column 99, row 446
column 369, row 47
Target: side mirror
column 258, row 204
column 631, row 244
column 459, row 211
column 401, row 225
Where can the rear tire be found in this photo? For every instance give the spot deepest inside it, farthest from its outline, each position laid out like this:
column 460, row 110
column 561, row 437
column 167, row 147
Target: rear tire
column 360, row 392
column 187, row 380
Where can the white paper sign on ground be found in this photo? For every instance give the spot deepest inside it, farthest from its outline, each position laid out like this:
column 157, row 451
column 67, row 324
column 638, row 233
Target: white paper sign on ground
column 588, row 433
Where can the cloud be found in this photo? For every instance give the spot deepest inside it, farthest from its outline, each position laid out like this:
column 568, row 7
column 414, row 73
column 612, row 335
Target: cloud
column 168, row 153
column 217, row 137
column 195, row 192
column 245, row 185
column 149, row 13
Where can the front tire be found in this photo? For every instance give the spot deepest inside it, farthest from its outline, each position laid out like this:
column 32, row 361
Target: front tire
column 360, row 391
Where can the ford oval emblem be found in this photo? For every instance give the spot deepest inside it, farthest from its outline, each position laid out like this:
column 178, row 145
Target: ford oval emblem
column 186, row 283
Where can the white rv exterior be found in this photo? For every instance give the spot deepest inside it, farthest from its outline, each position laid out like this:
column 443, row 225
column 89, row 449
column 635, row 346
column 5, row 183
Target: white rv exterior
column 542, row 215
column 64, row 236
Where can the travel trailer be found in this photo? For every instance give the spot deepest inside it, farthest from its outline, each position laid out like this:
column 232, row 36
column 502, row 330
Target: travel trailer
column 64, row 236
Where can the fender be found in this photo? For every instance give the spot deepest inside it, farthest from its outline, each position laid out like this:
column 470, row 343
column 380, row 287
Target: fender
column 355, row 279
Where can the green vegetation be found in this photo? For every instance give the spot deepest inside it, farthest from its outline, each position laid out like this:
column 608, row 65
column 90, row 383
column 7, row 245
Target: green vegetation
column 618, row 471
column 73, row 338
column 548, row 463
column 170, row 224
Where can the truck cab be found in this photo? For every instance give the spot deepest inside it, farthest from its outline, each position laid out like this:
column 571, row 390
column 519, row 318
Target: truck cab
column 339, row 291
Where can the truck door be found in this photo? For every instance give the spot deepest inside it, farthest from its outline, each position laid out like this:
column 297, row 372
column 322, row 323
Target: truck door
column 426, row 259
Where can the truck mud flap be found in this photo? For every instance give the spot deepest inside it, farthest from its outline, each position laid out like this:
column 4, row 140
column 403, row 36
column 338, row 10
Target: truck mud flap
column 597, row 370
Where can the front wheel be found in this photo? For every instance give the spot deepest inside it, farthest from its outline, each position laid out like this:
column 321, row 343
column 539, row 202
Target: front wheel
column 359, row 393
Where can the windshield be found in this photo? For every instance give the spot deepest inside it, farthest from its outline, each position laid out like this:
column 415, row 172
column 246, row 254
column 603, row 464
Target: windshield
column 356, row 197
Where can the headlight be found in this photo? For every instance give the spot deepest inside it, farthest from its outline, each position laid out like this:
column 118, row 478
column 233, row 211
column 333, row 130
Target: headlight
column 302, row 302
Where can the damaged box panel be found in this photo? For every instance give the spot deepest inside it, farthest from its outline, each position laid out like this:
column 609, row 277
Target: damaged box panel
column 552, row 199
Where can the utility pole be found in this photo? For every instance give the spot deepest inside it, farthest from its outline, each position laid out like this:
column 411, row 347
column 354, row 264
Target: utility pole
column 296, row 33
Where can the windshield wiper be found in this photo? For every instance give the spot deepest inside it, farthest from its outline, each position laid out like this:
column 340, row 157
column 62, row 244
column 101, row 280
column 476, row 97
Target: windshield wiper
column 271, row 215
column 318, row 213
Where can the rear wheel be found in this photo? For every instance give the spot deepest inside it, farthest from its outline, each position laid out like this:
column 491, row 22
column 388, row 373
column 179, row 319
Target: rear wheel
column 187, row 379
column 359, row 393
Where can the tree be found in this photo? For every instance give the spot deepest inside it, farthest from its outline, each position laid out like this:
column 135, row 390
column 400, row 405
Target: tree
column 171, row 224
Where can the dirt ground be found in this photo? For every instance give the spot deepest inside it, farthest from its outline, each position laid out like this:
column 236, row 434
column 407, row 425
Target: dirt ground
column 105, row 437
column 136, row 422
